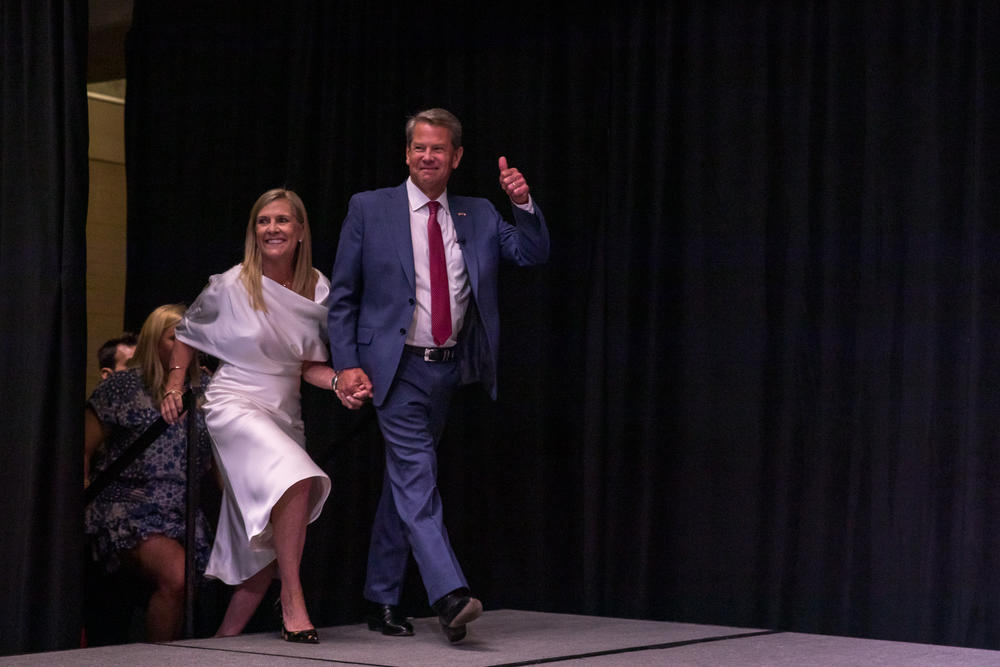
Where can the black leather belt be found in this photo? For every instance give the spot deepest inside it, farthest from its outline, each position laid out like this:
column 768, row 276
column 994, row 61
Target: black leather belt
column 432, row 353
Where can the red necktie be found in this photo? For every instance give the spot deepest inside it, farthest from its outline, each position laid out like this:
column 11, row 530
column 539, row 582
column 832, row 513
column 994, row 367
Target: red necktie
column 440, row 301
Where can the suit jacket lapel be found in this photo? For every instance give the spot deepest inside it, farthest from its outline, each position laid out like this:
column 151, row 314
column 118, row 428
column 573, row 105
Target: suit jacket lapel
column 464, row 230
column 398, row 214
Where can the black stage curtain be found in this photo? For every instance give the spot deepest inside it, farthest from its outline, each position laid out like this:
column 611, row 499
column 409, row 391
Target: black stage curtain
column 43, row 212
column 754, row 386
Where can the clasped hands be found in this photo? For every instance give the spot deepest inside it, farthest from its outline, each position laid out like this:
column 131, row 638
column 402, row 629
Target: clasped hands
column 353, row 388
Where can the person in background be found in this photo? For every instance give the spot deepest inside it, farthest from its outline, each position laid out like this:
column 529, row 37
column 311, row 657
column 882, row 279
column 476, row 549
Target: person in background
column 413, row 313
column 138, row 520
column 115, row 353
column 264, row 320
column 112, row 356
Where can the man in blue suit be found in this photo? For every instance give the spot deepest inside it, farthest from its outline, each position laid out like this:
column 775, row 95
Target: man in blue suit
column 413, row 314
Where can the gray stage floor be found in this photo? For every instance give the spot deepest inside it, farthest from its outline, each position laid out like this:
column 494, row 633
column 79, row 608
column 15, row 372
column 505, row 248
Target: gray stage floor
column 507, row 637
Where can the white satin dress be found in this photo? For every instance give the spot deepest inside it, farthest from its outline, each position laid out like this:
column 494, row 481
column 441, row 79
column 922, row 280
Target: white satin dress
column 253, row 409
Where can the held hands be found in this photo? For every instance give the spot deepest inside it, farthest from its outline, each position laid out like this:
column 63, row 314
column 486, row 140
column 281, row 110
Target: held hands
column 513, row 183
column 353, row 388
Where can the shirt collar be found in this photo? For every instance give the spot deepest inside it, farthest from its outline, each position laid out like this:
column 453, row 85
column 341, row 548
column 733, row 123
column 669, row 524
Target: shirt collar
column 418, row 198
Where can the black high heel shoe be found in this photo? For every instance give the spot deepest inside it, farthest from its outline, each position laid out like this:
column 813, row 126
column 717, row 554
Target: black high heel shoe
column 309, row 636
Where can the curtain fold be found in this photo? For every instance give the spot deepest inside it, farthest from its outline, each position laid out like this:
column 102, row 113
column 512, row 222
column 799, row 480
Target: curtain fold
column 43, row 209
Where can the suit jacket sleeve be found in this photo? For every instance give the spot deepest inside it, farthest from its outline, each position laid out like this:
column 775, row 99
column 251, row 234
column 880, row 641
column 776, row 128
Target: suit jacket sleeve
column 345, row 290
column 526, row 243
column 490, row 239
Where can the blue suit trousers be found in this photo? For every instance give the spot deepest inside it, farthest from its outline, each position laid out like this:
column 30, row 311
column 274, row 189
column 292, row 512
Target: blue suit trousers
column 409, row 515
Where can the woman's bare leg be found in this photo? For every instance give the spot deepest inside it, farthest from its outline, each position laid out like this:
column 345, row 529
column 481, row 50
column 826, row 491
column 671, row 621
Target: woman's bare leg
column 160, row 560
column 289, row 518
column 244, row 602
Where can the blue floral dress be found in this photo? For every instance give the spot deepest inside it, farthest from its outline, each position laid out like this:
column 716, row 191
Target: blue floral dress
column 149, row 496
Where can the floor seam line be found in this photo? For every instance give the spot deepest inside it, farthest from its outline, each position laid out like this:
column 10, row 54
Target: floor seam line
column 633, row 649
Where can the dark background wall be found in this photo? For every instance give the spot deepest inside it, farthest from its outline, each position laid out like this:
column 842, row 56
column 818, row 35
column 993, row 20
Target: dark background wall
column 755, row 384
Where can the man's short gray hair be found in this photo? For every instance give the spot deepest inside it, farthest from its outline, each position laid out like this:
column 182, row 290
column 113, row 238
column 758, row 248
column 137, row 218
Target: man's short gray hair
column 439, row 118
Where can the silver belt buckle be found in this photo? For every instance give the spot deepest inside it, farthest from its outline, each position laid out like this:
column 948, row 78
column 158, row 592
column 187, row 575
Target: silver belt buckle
column 427, row 354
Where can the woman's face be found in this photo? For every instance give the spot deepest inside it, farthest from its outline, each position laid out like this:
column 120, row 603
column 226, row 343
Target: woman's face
column 166, row 346
column 278, row 233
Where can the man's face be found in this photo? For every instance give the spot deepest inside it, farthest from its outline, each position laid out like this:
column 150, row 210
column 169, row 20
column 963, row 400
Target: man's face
column 122, row 354
column 431, row 158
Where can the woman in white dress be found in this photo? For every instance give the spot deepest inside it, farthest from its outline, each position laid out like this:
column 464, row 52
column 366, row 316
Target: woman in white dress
column 265, row 320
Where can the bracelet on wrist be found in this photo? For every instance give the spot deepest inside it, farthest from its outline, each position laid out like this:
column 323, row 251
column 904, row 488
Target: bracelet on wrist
column 333, row 382
column 173, row 391
column 175, row 368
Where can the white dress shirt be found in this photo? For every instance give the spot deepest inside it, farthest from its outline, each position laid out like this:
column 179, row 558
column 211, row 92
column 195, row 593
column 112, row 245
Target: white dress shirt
column 459, row 290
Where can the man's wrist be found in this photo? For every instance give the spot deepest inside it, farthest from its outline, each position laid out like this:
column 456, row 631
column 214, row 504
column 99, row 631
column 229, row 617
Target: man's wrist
column 528, row 206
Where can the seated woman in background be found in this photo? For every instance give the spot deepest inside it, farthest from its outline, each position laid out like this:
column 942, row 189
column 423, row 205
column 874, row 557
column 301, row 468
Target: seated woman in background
column 138, row 520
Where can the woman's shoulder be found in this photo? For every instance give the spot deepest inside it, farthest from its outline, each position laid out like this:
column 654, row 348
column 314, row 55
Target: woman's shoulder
column 118, row 388
column 230, row 275
column 322, row 285
column 206, row 306
column 227, row 277
column 120, row 381
column 321, row 279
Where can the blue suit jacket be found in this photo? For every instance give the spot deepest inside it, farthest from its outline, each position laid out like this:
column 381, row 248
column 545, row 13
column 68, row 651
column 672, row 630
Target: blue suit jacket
column 372, row 286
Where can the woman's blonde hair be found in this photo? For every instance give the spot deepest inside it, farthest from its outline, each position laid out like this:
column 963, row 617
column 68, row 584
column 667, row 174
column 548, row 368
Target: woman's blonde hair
column 147, row 352
column 303, row 276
